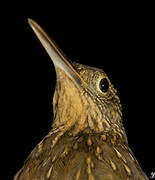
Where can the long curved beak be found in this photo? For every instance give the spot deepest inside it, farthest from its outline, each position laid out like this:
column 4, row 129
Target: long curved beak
column 54, row 52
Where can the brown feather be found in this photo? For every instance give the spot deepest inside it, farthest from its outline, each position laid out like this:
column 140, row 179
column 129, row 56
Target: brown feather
column 87, row 140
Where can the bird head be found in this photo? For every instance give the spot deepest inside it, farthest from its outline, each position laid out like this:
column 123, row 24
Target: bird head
column 84, row 98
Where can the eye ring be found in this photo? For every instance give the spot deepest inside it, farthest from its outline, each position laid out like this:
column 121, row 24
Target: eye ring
column 104, row 85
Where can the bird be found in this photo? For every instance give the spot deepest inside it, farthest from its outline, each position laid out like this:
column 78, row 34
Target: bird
column 87, row 140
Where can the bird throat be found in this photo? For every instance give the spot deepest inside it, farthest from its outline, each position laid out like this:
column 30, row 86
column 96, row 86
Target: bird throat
column 76, row 112
column 68, row 105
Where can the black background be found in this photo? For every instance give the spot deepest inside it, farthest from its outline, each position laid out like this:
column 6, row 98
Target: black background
column 118, row 40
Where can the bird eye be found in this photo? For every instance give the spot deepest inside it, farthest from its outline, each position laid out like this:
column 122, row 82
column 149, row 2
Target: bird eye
column 104, row 85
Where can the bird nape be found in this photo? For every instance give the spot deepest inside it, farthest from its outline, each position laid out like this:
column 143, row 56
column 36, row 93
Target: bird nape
column 87, row 140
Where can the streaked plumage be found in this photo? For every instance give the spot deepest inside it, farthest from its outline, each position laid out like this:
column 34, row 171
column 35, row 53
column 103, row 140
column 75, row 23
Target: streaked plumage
column 87, row 140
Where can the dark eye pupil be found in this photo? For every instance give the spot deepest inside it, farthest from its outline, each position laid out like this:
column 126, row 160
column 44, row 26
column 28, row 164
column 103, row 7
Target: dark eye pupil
column 104, row 85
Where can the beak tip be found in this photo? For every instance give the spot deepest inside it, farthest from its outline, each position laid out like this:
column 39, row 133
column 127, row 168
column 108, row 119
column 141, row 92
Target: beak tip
column 29, row 20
